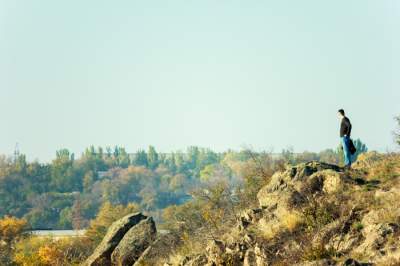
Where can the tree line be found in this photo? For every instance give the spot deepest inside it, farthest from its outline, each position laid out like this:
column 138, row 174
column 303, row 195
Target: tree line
column 68, row 192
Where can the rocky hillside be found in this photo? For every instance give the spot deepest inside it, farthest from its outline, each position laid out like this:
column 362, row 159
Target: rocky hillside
column 310, row 214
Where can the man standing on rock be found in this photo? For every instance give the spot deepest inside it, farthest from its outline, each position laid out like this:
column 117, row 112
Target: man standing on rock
column 345, row 130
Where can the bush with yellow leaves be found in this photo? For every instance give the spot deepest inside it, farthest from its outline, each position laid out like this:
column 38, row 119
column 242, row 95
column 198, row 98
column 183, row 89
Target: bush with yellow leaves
column 11, row 229
column 46, row 251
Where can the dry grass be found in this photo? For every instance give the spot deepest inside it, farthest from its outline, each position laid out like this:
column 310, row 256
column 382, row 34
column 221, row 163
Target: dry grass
column 388, row 205
column 292, row 220
column 269, row 229
column 188, row 247
column 286, row 221
column 313, row 253
column 386, row 168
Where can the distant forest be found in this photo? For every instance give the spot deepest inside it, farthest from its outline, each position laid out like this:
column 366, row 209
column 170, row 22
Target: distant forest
column 68, row 192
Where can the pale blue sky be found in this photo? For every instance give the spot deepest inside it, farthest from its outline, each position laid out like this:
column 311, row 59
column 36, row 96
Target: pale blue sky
column 219, row 74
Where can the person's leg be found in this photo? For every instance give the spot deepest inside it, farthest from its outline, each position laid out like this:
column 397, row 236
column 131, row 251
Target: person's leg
column 346, row 151
column 350, row 156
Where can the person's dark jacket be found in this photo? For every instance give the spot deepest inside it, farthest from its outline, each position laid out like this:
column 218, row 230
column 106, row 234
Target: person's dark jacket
column 345, row 127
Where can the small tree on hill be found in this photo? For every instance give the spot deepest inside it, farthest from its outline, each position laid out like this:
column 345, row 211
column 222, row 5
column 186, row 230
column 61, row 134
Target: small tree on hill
column 361, row 148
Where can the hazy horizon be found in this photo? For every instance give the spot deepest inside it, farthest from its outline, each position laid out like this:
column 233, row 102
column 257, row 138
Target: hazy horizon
column 221, row 75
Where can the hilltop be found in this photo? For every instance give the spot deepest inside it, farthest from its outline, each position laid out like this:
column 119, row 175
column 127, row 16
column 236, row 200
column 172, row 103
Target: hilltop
column 312, row 213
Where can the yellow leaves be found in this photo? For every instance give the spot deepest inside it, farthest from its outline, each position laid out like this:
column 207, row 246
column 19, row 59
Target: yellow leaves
column 26, row 254
column 11, row 228
column 40, row 251
column 49, row 254
column 206, row 173
column 212, row 216
column 291, row 220
column 23, row 260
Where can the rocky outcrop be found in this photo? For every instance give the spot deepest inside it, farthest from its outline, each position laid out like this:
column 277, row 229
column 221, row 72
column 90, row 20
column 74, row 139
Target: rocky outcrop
column 102, row 254
column 280, row 203
column 347, row 231
column 376, row 236
column 312, row 214
column 134, row 243
column 288, row 188
column 125, row 242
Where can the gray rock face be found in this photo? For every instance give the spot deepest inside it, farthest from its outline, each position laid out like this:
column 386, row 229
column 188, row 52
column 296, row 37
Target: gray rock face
column 134, row 243
column 102, row 254
column 160, row 248
column 287, row 188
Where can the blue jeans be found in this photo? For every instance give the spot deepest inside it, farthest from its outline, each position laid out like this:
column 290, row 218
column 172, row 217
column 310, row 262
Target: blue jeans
column 346, row 150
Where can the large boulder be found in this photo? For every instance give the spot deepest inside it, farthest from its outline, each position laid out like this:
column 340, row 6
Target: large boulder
column 326, row 181
column 289, row 187
column 159, row 250
column 304, row 170
column 285, row 198
column 381, row 228
column 134, row 243
column 102, row 254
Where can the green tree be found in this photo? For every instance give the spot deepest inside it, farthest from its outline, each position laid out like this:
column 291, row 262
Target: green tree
column 65, row 220
column 141, row 158
column 20, row 164
column 360, row 147
column 193, row 156
column 123, row 158
column 13, row 195
column 171, row 164
column 152, row 158
column 88, row 181
column 63, row 178
column 39, row 177
column 92, row 160
column 181, row 165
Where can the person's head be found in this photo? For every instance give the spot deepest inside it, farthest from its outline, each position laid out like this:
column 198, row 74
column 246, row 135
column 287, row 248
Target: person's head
column 341, row 113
